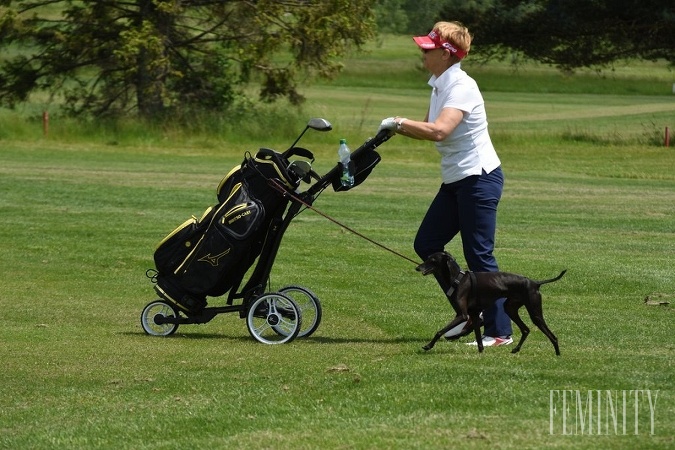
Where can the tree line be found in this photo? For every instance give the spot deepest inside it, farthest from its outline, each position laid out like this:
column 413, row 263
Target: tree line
column 157, row 57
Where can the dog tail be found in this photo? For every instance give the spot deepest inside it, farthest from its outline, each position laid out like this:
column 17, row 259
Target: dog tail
column 551, row 280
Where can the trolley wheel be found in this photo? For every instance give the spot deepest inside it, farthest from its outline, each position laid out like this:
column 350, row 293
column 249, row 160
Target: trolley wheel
column 310, row 308
column 273, row 318
column 155, row 310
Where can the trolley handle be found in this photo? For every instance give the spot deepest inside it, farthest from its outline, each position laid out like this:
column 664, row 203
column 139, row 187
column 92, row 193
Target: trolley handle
column 370, row 145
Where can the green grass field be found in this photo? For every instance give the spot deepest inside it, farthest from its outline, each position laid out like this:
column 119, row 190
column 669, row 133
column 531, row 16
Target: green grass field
column 589, row 187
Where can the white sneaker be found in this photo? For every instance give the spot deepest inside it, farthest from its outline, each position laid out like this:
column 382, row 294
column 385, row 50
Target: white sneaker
column 489, row 341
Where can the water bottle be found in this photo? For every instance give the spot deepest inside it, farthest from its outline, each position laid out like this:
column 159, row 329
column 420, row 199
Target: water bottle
column 344, row 155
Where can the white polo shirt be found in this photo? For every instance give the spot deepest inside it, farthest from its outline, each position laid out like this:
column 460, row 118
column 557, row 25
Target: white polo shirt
column 468, row 150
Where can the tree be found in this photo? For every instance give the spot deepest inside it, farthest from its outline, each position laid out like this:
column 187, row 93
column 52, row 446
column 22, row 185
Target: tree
column 110, row 57
column 390, row 16
column 422, row 14
column 570, row 33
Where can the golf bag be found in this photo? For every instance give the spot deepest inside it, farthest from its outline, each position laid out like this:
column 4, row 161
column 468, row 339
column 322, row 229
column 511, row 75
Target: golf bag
column 210, row 255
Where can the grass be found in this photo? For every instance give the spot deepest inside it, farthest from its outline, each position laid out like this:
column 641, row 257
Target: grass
column 585, row 190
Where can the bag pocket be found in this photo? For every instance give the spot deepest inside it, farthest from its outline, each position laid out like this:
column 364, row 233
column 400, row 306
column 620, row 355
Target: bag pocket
column 242, row 220
column 222, row 248
column 177, row 245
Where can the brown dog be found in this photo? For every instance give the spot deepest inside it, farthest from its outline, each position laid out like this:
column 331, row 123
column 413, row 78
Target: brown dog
column 473, row 292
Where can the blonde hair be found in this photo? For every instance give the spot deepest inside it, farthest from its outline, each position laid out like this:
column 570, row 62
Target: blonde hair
column 455, row 33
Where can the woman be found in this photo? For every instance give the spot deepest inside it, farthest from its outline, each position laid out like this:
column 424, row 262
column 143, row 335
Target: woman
column 466, row 202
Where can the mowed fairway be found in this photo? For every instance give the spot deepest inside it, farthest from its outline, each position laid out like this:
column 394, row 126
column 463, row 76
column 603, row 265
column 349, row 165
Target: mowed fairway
column 588, row 189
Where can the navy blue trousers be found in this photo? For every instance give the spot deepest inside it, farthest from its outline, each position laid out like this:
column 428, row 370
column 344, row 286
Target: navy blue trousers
column 468, row 207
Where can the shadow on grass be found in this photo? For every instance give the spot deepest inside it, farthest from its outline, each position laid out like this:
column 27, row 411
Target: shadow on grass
column 357, row 340
column 310, row 339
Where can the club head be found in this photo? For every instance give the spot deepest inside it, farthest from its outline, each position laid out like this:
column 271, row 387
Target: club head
column 319, row 124
column 301, row 169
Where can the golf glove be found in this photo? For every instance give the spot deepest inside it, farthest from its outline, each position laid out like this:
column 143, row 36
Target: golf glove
column 387, row 124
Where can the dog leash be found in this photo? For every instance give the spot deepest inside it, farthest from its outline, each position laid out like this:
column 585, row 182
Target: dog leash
column 285, row 192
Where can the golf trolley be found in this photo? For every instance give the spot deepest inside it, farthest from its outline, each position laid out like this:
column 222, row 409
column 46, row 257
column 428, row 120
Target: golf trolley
column 211, row 255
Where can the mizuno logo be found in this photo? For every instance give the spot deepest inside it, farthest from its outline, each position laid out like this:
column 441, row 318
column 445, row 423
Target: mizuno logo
column 213, row 260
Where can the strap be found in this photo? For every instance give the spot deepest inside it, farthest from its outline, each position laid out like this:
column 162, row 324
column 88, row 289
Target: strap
column 455, row 283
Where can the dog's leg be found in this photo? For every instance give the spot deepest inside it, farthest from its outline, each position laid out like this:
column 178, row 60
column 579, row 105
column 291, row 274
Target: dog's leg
column 511, row 306
column 535, row 310
column 539, row 322
column 459, row 318
column 445, row 282
column 475, row 320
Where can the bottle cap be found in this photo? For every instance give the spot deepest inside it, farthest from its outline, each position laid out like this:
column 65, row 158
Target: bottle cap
column 343, row 141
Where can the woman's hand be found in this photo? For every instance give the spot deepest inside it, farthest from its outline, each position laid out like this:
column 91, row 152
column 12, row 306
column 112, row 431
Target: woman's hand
column 388, row 124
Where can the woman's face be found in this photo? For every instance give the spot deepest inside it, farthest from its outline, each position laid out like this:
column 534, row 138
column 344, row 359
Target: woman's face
column 436, row 61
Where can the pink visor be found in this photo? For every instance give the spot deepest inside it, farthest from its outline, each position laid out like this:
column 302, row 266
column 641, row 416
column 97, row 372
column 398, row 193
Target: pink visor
column 433, row 40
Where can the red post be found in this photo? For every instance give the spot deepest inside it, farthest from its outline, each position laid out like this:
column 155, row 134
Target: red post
column 45, row 123
column 667, row 138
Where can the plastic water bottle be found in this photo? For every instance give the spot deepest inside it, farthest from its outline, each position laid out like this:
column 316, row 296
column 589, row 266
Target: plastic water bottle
column 344, row 155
